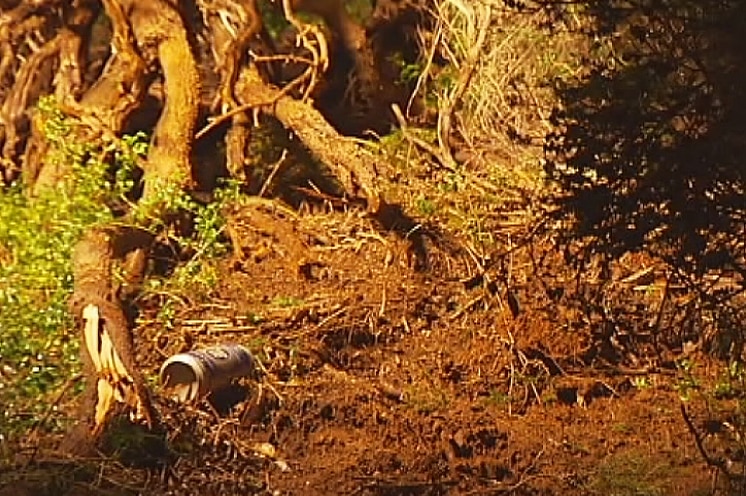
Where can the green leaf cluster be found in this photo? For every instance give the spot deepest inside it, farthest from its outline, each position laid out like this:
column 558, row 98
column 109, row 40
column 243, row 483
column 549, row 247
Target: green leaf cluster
column 38, row 346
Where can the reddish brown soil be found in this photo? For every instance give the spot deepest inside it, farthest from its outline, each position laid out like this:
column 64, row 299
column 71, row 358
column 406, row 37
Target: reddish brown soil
column 385, row 375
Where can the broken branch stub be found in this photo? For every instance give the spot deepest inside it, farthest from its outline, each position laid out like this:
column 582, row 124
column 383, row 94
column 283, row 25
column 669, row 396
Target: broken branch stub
column 108, row 351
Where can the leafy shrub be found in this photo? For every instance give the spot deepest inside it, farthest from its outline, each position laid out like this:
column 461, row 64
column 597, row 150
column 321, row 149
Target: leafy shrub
column 38, row 348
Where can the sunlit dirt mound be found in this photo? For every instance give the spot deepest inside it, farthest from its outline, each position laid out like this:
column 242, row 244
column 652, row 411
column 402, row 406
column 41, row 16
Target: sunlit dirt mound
column 383, row 375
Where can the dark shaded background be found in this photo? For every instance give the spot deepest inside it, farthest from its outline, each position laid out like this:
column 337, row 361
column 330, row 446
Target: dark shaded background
column 650, row 148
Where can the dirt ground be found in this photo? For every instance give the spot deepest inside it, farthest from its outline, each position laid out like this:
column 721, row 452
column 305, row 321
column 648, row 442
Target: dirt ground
column 387, row 365
column 387, row 370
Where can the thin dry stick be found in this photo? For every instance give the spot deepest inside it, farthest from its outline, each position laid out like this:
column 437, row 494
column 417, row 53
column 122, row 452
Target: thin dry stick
column 717, row 463
column 428, row 64
column 659, row 317
column 382, row 308
column 70, row 382
column 319, row 52
column 272, row 174
column 282, row 58
column 469, row 305
column 248, row 106
column 446, row 161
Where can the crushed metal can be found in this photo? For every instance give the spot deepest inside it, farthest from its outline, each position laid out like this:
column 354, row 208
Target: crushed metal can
column 193, row 375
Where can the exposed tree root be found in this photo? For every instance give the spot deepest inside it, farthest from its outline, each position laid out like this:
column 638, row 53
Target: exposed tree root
column 119, row 90
column 74, row 37
column 354, row 39
column 233, row 26
column 38, row 51
column 157, row 23
column 34, row 79
column 349, row 162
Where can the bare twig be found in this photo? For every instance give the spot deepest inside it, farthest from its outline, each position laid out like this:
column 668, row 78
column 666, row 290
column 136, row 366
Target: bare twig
column 717, row 463
column 217, row 121
column 445, row 160
column 52, row 407
column 272, row 174
column 318, row 50
column 449, row 102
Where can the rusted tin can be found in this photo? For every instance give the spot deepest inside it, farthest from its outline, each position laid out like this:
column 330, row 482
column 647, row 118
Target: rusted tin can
column 195, row 374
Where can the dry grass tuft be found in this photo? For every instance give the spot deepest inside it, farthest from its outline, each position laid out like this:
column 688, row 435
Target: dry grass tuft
column 490, row 73
column 497, row 93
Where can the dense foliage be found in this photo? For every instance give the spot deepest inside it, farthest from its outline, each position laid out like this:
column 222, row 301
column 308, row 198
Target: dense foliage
column 649, row 145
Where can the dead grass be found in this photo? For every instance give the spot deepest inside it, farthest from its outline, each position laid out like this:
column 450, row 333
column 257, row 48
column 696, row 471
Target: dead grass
column 479, row 172
column 631, row 474
column 503, row 64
